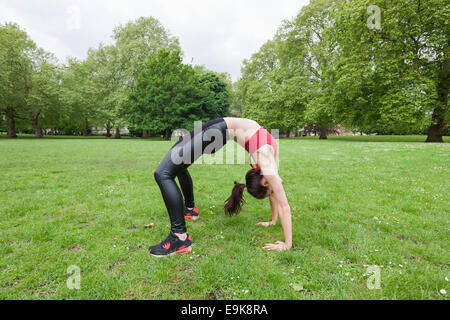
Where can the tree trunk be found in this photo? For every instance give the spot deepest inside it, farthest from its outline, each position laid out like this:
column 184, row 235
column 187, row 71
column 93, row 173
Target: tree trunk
column 36, row 127
column 86, row 128
column 117, row 135
column 109, row 127
column 323, row 133
column 436, row 131
column 167, row 135
column 145, row 134
column 11, row 123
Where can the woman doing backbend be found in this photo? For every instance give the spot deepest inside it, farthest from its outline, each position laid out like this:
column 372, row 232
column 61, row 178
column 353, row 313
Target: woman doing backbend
column 262, row 181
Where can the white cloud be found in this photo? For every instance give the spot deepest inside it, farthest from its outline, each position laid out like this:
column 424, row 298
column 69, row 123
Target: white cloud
column 216, row 33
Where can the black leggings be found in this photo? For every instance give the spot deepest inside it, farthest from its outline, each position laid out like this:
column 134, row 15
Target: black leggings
column 206, row 140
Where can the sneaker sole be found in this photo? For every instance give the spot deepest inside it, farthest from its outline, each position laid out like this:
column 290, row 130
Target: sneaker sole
column 193, row 218
column 179, row 252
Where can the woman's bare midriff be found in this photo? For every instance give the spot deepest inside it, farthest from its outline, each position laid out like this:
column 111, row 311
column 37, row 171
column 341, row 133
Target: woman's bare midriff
column 241, row 130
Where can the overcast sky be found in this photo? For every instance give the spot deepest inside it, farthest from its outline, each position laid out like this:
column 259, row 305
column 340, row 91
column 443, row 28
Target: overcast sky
column 216, row 33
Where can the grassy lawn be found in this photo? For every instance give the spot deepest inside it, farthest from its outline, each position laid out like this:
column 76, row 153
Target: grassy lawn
column 356, row 202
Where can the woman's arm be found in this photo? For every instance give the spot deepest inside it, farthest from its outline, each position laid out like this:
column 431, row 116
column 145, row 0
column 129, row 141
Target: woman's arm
column 274, row 209
column 284, row 210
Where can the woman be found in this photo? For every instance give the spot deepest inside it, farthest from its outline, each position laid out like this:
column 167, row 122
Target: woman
column 262, row 181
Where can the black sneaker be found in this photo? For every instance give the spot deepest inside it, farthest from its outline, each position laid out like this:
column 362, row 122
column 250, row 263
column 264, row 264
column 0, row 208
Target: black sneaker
column 192, row 215
column 172, row 246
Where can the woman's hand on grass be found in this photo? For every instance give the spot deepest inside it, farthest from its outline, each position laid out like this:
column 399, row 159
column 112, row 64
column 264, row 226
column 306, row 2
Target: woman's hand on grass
column 278, row 246
column 266, row 224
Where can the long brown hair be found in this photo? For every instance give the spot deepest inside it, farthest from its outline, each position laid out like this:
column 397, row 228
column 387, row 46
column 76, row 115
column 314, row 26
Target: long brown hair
column 253, row 178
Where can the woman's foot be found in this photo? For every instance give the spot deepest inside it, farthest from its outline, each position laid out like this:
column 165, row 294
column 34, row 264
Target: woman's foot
column 191, row 214
column 171, row 246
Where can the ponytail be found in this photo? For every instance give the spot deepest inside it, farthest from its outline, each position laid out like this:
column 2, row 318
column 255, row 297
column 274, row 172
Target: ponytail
column 234, row 203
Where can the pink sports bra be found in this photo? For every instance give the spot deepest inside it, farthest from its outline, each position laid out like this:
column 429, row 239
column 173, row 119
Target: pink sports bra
column 261, row 138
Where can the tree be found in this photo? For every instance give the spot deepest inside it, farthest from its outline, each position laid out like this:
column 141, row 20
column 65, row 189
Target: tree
column 16, row 68
column 43, row 99
column 236, row 100
column 308, row 53
column 80, row 97
column 139, row 39
column 219, row 91
column 108, row 81
column 135, row 42
column 270, row 89
column 397, row 75
column 289, row 82
column 216, row 100
column 168, row 95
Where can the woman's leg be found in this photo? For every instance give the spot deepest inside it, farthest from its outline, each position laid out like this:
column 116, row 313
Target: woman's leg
column 173, row 199
column 190, row 212
column 178, row 241
column 188, row 188
column 168, row 170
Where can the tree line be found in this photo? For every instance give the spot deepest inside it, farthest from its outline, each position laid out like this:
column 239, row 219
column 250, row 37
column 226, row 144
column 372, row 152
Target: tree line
column 139, row 82
column 372, row 66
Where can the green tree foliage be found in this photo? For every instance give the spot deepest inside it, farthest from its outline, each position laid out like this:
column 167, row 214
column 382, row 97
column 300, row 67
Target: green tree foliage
column 36, row 92
column 80, row 97
column 269, row 91
column 134, row 43
column 394, row 77
column 165, row 95
column 216, row 97
column 220, row 88
column 170, row 95
column 287, row 83
column 112, row 93
column 137, row 40
column 330, row 65
column 43, row 99
column 309, row 53
column 16, row 66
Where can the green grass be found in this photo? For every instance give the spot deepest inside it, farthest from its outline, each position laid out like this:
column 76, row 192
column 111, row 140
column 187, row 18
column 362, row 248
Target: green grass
column 356, row 202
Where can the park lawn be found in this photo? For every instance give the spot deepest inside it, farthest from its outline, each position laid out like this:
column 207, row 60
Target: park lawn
column 356, row 202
